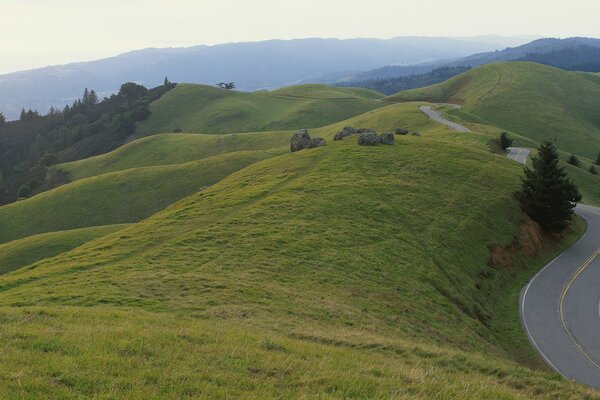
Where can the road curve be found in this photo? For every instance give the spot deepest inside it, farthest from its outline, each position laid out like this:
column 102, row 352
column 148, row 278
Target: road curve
column 560, row 307
column 518, row 154
column 434, row 115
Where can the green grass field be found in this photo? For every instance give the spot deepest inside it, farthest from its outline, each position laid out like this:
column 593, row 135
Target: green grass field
column 20, row 253
column 532, row 100
column 205, row 109
column 338, row 272
column 117, row 197
column 174, row 148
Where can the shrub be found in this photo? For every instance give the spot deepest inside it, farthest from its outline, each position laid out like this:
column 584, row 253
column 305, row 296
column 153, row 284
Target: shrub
column 573, row 160
column 24, row 192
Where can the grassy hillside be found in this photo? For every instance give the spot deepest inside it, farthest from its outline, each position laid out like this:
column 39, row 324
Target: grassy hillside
column 173, row 148
column 205, row 109
column 19, row 253
column 533, row 100
column 117, row 197
column 338, row 272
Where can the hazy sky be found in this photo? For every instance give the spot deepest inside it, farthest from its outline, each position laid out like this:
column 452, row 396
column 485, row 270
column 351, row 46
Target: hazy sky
column 41, row 32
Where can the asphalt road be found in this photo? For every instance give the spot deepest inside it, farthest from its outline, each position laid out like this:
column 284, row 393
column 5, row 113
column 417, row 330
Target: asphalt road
column 518, row 154
column 434, row 115
column 560, row 307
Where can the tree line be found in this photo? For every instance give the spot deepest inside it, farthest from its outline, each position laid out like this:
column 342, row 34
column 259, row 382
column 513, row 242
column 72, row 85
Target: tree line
column 87, row 127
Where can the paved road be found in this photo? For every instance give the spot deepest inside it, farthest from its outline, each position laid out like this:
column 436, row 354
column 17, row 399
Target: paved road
column 434, row 115
column 518, row 154
column 560, row 307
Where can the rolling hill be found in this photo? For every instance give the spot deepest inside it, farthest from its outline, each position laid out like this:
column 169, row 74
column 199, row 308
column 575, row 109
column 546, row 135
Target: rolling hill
column 206, row 109
column 337, row 272
column 20, row 253
column 117, row 197
column 532, row 100
column 252, row 65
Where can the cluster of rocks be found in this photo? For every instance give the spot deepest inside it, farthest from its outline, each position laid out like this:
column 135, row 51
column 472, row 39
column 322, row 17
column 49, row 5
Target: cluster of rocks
column 366, row 136
column 402, row 131
column 301, row 140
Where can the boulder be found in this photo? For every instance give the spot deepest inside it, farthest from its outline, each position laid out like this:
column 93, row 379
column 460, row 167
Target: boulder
column 416, row 134
column 401, row 131
column 316, row 142
column 341, row 134
column 386, row 138
column 349, row 129
column 368, row 139
column 300, row 140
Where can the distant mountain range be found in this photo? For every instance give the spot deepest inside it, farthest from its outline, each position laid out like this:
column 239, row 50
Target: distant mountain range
column 575, row 53
column 259, row 65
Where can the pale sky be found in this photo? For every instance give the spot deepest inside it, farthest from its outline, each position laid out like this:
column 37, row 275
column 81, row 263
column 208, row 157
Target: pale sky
column 37, row 33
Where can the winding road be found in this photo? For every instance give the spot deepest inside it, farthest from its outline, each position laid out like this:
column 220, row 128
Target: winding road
column 560, row 306
column 434, row 115
column 518, row 154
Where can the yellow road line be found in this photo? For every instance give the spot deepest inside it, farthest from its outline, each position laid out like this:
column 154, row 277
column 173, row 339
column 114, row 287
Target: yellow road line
column 561, row 304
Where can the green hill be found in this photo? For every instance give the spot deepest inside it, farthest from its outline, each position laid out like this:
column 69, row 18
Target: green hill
column 173, row 148
column 532, row 100
column 118, row 197
column 205, row 109
column 19, row 253
column 338, row 272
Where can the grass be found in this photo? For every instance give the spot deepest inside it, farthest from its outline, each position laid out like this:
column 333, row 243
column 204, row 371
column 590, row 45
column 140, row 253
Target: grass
column 205, row 109
column 174, row 148
column 20, row 253
column 338, row 272
column 117, row 197
column 532, row 100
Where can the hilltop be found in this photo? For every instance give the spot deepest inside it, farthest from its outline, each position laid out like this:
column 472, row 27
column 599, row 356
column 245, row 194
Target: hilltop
column 532, row 100
column 206, row 109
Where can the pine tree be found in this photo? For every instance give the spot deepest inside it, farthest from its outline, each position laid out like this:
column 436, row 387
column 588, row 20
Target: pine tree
column 167, row 81
column 93, row 98
column 548, row 196
column 2, row 119
column 505, row 140
column 23, row 114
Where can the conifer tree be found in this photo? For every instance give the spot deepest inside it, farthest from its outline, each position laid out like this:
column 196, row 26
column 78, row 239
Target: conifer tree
column 548, row 196
column 505, row 140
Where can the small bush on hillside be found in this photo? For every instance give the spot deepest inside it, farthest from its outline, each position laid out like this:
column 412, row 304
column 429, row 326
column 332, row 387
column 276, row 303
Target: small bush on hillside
column 505, row 140
column 24, row 192
column 598, row 159
column 593, row 170
column 548, row 196
column 573, row 160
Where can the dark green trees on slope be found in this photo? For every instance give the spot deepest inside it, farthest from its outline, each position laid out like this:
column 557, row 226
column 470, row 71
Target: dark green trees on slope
column 548, row 195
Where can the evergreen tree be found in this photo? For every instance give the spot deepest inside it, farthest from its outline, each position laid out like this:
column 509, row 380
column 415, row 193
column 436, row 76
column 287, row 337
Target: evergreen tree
column 23, row 115
column 548, row 196
column 2, row 119
column 505, row 140
column 166, row 82
column 573, row 160
column 93, row 98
